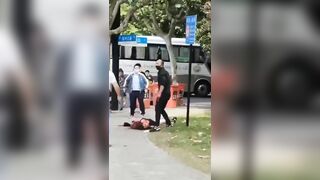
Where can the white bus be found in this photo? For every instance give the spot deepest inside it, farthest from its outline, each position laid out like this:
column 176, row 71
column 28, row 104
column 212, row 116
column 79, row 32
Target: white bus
column 146, row 56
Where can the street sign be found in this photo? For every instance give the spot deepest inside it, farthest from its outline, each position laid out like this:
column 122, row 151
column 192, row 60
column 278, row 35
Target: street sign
column 127, row 38
column 142, row 41
column 132, row 40
column 191, row 28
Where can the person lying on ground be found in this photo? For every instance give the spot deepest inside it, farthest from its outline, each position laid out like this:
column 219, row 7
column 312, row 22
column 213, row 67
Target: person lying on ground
column 143, row 124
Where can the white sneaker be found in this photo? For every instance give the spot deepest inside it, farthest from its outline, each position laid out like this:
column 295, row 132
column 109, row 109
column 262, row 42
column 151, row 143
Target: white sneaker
column 155, row 129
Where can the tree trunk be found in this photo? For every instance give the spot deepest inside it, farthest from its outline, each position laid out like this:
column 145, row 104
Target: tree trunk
column 172, row 57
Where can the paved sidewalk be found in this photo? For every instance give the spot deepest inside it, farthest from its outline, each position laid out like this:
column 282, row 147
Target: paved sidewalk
column 134, row 157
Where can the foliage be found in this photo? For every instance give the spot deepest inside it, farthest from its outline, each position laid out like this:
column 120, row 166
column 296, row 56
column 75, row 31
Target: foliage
column 202, row 8
column 166, row 18
column 189, row 7
column 131, row 7
column 204, row 28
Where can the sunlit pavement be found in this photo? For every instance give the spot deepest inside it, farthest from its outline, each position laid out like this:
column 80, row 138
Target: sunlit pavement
column 134, row 157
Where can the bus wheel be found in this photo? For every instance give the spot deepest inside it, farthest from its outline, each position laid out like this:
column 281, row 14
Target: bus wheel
column 202, row 89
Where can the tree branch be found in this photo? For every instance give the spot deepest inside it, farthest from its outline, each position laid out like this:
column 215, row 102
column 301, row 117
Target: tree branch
column 151, row 28
column 167, row 11
column 112, row 5
column 155, row 24
column 115, row 11
column 181, row 13
column 126, row 20
column 172, row 27
column 123, row 25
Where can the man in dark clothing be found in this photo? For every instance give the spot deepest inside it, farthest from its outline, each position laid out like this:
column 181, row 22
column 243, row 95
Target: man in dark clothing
column 163, row 96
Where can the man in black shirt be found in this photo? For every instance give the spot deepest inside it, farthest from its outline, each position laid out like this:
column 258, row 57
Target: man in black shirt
column 163, row 96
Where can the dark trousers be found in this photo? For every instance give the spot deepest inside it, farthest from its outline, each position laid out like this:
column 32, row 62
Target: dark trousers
column 15, row 130
column 160, row 109
column 79, row 107
column 134, row 95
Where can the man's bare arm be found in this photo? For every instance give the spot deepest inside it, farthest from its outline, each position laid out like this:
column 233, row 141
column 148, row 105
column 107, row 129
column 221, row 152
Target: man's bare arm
column 117, row 89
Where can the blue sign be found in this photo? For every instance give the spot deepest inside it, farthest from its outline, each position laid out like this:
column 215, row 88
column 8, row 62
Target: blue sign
column 142, row 40
column 127, row 38
column 191, row 28
column 132, row 40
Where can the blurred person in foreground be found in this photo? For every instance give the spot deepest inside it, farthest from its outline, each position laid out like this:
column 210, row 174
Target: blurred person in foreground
column 83, row 76
column 17, row 102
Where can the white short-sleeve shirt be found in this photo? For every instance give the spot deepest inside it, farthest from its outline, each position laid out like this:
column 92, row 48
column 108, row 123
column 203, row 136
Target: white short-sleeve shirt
column 10, row 57
column 112, row 80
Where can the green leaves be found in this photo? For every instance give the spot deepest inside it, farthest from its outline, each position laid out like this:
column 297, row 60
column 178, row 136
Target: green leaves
column 204, row 29
column 164, row 11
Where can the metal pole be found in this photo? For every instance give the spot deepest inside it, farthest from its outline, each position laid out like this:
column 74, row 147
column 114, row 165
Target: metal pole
column 189, row 86
column 115, row 60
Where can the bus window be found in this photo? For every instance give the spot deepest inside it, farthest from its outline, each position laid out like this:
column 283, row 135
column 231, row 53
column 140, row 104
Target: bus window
column 198, row 56
column 122, row 52
column 153, row 52
column 127, row 52
column 176, row 51
column 164, row 54
column 133, row 53
column 140, row 53
column 184, row 53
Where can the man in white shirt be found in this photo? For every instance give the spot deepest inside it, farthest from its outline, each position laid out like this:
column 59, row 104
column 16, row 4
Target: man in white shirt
column 113, row 82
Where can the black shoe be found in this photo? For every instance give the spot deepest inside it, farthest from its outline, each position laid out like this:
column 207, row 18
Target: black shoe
column 174, row 120
column 155, row 129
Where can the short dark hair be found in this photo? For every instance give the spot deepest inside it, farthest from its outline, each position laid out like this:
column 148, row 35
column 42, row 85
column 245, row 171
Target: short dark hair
column 138, row 64
column 147, row 71
column 137, row 125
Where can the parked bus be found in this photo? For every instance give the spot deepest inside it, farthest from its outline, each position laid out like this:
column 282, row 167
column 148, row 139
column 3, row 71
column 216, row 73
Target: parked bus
column 146, row 56
column 286, row 38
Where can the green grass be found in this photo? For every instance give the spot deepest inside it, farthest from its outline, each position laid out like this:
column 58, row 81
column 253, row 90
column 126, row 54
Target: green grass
column 191, row 145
